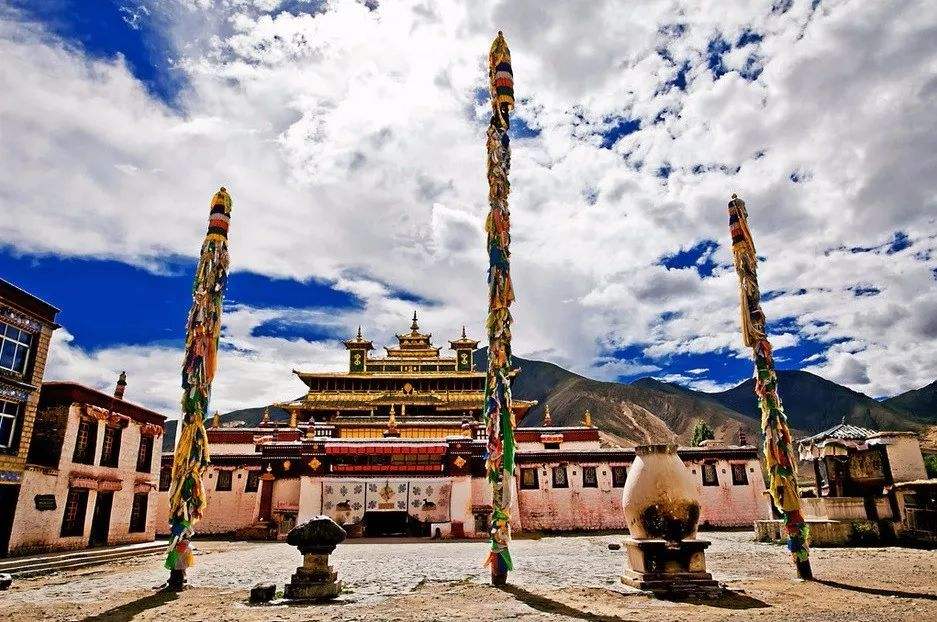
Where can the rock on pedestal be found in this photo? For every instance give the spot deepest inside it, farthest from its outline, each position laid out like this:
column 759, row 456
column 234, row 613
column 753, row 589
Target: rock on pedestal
column 315, row 579
column 661, row 510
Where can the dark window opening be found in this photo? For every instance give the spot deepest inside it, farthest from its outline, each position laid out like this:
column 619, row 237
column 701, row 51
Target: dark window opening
column 253, row 481
column 739, row 475
column 619, row 476
column 529, row 479
column 165, row 479
column 145, row 454
column 138, row 512
column 73, row 523
column 559, row 477
column 589, row 477
column 110, row 450
column 224, row 481
column 86, row 441
column 710, row 476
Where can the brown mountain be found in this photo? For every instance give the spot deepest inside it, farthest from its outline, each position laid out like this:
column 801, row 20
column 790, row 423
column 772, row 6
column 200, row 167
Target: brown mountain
column 919, row 404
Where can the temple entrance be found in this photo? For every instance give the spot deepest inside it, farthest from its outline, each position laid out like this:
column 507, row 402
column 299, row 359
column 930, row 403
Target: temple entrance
column 381, row 524
column 101, row 519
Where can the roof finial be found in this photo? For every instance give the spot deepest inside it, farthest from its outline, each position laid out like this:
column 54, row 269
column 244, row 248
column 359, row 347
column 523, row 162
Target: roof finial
column 547, row 419
column 414, row 327
column 843, row 422
column 359, row 331
column 463, row 332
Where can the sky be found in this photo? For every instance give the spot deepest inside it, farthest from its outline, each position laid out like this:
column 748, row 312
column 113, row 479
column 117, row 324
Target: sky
column 351, row 137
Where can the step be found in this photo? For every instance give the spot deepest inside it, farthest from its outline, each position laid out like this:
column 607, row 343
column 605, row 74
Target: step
column 42, row 564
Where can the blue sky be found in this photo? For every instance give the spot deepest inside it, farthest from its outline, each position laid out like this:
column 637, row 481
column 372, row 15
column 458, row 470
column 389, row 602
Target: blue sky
column 126, row 115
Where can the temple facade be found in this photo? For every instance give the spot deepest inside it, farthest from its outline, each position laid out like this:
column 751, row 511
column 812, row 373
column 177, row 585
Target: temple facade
column 396, row 445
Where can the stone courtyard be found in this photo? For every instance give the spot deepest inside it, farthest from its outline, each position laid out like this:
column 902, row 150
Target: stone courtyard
column 562, row 578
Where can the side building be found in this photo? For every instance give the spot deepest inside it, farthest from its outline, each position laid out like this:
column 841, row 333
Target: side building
column 396, row 445
column 26, row 325
column 91, row 471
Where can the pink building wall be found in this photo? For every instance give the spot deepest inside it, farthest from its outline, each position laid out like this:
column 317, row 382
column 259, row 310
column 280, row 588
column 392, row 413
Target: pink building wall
column 39, row 530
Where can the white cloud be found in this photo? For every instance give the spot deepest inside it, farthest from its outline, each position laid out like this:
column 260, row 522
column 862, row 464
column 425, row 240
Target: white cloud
column 353, row 146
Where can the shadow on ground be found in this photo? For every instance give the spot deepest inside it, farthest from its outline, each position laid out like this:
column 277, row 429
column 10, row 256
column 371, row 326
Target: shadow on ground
column 548, row 605
column 129, row 610
column 727, row 600
column 877, row 591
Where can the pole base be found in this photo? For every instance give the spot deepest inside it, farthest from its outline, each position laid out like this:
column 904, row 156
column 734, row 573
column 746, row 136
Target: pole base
column 499, row 579
column 176, row 581
column 803, row 570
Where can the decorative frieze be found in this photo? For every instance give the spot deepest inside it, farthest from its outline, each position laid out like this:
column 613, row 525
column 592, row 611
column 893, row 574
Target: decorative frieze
column 19, row 320
column 13, row 393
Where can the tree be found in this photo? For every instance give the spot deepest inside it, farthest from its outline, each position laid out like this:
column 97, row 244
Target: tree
column 702, row 432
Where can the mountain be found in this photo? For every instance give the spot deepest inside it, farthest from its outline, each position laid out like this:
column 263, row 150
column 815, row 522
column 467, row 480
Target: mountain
column 814, row 404
column 643, row 412
column 919, row 404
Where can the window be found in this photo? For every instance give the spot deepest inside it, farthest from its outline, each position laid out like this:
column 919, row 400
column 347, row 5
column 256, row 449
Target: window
column 739, row 476
column 224, row 481
column 253, row 481
column 529, row 479
column 9, row 417
column 110, row 451
column 14, row 348
column 138, row 512
column 165, row 479
column 85, row 441
column 619, row 476
column 589, row 477
column 73, row 523
column 145, row 454
column 710, row 477
column 559, row 477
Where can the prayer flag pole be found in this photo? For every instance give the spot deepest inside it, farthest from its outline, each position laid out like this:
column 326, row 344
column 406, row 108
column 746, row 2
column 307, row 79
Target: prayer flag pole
column 186, row 496
column 778, row 445
column 499, row 419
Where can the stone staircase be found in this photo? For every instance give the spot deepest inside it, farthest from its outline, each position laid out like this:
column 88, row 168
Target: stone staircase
column 34, row 565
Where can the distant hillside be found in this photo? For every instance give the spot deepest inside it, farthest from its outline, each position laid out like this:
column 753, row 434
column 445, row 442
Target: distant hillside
column 919, row 404
column 647, row 411
column 814, row 404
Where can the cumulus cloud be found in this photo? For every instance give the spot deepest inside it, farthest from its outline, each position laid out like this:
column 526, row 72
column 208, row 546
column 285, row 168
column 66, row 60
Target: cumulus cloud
column 351, row 138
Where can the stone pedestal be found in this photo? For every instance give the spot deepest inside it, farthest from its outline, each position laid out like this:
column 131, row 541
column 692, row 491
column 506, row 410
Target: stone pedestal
column 670, row 568
column 314, row 580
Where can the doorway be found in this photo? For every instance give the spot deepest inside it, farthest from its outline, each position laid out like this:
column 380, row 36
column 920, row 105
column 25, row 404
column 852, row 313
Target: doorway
column 101, row 519
column 377, row 524
column 8, row 496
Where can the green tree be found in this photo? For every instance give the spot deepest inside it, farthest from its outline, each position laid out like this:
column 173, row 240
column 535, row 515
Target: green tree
column 702, row 432
column 930, row 463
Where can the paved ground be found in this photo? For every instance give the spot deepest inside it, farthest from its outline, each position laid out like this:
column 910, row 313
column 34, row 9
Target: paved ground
column 564, row 578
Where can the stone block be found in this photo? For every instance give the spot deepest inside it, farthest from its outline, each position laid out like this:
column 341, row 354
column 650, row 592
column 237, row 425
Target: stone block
column 263, row 593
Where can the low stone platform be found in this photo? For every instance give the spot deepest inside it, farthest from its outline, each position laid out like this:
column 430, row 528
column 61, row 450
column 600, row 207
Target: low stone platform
column 662, row 567
column 823, row 532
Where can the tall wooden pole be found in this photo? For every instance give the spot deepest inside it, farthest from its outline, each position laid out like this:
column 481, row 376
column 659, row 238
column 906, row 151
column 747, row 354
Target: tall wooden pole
column 499, row 419
column 778, row 444
column 186, row 496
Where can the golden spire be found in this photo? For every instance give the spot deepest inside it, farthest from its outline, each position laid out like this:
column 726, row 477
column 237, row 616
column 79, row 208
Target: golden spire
column 587, row 419
column 293, row 416
column 547, row 419
column 392, row 419
column 415, row 327
column 216, row 420
column 266, row 417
